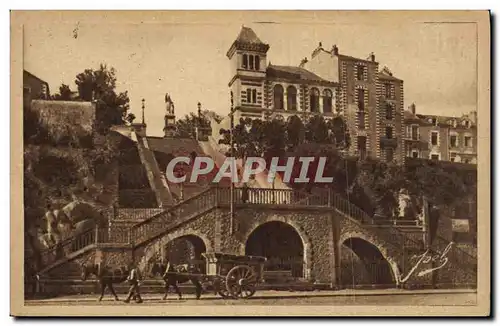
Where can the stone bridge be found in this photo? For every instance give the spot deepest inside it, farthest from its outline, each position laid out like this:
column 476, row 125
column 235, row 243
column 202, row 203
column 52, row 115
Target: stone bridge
column 320, row 239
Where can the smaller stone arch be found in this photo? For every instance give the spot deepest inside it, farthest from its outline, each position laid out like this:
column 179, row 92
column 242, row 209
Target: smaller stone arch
column 306, row 241
column 381, row 248
column 155, row 249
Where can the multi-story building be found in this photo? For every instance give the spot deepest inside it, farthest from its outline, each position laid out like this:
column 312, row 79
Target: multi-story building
column 371, row 102
column 261, row 88
column 444, row 138
column 34, row 88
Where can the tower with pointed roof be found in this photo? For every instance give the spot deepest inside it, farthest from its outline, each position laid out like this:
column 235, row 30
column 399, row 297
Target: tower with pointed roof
column 248, row 57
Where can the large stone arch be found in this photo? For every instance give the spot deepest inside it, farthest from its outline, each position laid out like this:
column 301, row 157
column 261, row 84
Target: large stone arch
column 380, row 247
column 155, row 249
column 306, row 242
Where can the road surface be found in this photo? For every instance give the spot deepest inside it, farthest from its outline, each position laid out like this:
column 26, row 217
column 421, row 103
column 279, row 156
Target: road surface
column 283, row 298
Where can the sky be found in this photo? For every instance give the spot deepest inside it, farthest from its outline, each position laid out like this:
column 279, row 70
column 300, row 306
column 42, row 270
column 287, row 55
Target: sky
column 186, row 57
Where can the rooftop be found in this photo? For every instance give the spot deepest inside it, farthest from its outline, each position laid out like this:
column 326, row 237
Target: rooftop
column 247, row 40
column 174, row 146
column 247, row 35
column 293, row 73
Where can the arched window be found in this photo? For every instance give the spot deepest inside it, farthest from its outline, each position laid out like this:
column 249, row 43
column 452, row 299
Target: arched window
column 278, row 97
column 257, row 62
column 314, row 100
column 245, row 61
column 249, row 95
column 254, row 96
column 291, row 98
column 327, row 100
column 251, row 62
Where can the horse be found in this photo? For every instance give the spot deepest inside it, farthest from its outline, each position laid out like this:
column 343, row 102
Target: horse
column 172, row 278
column 105, row 276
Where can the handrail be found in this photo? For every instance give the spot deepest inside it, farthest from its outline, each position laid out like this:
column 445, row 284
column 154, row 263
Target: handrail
column 64, row 248
column 214, row 196
column 156, row 216
column 151, row 227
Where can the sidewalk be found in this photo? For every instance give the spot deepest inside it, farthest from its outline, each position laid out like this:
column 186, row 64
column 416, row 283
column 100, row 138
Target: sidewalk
column 265, row 294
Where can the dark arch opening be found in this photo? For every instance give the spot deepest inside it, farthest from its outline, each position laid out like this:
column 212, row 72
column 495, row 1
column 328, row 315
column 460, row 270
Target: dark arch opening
column 186, row 249
column 280, row 244
column 362, row 264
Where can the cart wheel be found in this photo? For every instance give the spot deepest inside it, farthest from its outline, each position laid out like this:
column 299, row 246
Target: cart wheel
column 241, row 282
column 221, row 288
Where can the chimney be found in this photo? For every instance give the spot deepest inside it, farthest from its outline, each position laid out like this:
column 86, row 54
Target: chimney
column 413, row 108
column 372, row 57
column 303, row 62
column 335, row 50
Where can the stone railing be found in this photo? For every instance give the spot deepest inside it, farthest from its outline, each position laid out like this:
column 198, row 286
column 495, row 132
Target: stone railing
column 157, row 224
column 213, row 197
column 72, row 245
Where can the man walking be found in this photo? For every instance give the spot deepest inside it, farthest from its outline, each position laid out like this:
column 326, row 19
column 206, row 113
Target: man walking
column 134, row 279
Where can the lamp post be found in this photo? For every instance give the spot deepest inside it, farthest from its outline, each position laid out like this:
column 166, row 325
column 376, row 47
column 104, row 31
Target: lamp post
column 180, row 172
column 198, row 122
column 231, row 185
column 143, row 119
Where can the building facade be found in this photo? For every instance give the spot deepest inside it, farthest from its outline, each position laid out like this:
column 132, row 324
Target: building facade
column 370, row 100
column 261, row 89
column 34, row 88
column 443, row 138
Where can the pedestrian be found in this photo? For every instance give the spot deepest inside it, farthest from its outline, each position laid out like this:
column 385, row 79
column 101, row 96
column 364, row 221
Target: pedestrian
column 134, row 279
column 244, row 193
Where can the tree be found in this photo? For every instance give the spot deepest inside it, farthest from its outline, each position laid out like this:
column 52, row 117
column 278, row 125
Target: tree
column 318, row 131
column 186, row 126
column 295, row 133
column 340, row 132
column 65, row 93
column 100, row 86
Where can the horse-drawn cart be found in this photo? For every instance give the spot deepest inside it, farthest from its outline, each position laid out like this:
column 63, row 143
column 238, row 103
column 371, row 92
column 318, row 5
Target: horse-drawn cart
column 233, row 275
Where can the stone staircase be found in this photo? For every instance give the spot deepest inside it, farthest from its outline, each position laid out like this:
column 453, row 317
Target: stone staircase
column 404, row 249
column 400, row 246
column 163, row 194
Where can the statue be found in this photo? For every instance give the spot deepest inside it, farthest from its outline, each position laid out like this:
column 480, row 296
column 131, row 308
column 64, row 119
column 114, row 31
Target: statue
column 169, row 104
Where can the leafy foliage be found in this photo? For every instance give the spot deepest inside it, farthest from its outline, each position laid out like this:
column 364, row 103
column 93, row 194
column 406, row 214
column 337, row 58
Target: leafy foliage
column 65, row 93
column 186, row 126
column 100, row 85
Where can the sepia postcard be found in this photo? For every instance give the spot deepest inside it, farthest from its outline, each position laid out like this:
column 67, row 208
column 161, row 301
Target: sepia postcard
column 250, row 163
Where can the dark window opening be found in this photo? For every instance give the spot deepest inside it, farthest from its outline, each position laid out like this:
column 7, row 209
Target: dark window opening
column 468, row 141
column 291, row 98
column 361, row 99
column 250, row 61
column 257, row 62
column 388, row 132
column 245, row 61
column 435, row 157
column 388, row 93
column 414, row 132
column 453, row 141
column 278, row 97
column 362, row 146
column 314, row 100
column 361, row 120
column 360, row 72
column 327, row 100
column 388, row 112
column 254, row 96
column 434, row 138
